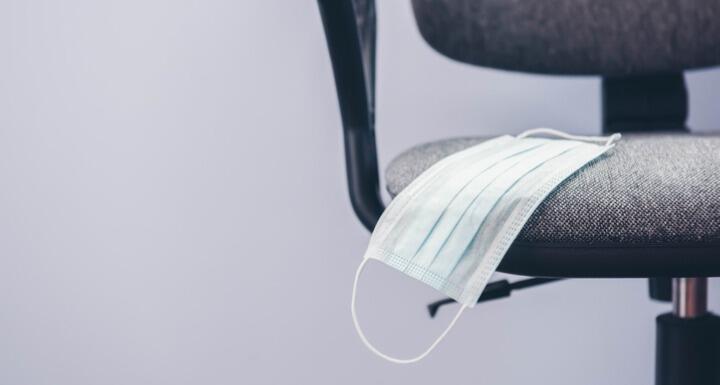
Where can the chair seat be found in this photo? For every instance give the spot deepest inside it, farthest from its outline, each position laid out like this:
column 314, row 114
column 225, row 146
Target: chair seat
column 650, row 207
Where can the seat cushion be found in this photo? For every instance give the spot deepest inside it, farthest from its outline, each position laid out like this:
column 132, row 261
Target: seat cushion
column 596, row 37
column 649, row 207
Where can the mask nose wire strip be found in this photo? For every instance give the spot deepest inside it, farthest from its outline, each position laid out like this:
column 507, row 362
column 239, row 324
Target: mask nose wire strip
column 373, row 348
column 607, row 140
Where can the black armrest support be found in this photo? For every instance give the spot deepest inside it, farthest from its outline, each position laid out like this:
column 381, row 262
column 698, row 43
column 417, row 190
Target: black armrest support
column 350, row 33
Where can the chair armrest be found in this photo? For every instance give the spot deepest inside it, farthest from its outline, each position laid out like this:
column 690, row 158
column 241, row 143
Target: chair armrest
column 350, row 33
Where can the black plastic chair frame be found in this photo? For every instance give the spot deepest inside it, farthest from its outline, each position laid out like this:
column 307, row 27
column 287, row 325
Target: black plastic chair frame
column 350, row 34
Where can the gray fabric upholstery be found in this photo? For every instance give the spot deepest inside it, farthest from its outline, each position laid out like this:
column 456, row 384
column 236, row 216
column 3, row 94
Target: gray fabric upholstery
column 604, row 37
column 650, row 190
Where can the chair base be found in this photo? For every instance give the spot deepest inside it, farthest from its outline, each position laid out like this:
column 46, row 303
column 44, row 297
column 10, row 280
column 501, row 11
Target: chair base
column 688, row 350
column 688, row 339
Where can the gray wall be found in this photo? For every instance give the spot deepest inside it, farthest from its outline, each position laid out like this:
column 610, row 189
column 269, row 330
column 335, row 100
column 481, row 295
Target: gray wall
column 173, row 207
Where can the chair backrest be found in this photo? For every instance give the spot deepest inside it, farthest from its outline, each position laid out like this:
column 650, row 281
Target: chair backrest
column 583, row 37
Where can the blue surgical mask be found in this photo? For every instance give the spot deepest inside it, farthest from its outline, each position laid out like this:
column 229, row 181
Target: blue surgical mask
column 452, row 225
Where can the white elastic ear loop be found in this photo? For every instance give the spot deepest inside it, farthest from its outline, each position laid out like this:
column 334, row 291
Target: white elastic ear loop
column 607, row 140
column 373, row 348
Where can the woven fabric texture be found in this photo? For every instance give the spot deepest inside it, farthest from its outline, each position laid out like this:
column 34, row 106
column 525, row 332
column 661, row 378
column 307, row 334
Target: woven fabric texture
column 594, row 37
column 650, row 190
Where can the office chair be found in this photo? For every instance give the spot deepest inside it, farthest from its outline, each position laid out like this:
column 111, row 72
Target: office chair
column 651, row 210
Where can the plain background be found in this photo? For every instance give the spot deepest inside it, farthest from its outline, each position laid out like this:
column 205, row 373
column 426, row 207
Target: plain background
column 173, row 207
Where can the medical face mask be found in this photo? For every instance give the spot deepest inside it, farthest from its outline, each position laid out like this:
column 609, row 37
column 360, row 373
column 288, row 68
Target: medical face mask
column 453, row 224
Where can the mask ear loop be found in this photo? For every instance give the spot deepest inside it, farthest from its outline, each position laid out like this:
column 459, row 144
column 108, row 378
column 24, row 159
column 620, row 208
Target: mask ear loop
column 373, row 348
column 607, row 140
